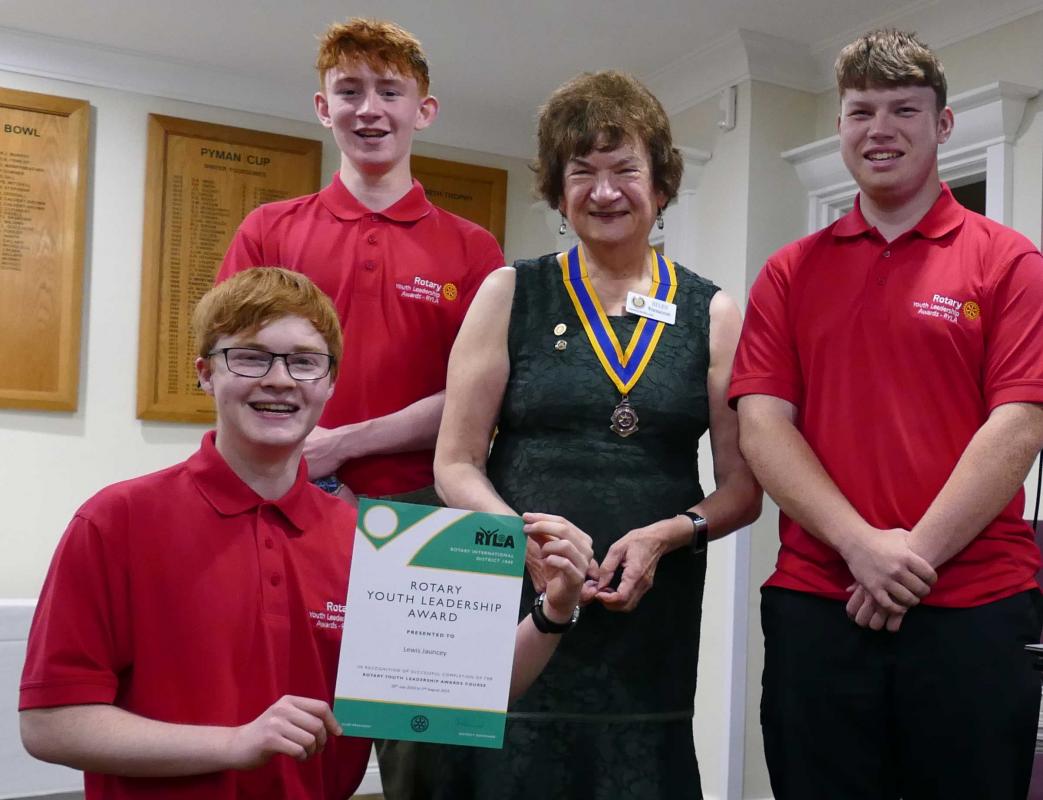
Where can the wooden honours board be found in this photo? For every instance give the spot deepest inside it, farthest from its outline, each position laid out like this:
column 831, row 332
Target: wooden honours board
column 43, row 192
column 202, row 180
column 475, row 193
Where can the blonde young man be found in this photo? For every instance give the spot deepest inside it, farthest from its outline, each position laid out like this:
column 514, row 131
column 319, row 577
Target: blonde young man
column 401, row 272
column 889, row 382
column 175, row 650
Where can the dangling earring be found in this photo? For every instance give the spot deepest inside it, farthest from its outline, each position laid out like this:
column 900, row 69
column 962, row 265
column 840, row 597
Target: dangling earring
column 562, row 228
column 659, row 220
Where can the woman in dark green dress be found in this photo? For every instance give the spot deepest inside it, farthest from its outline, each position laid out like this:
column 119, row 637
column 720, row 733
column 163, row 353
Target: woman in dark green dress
column 600, row 368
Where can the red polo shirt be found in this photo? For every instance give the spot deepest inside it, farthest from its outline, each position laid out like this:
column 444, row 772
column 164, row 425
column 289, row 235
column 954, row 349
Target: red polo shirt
column 184, row 597
column 894, row 354
column 401, row 280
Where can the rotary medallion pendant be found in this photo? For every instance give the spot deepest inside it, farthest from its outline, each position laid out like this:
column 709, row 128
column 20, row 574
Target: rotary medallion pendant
column 624, row 419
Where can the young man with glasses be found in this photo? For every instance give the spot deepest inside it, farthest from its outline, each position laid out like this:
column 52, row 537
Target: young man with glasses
column 183, row 644
column 889, row 381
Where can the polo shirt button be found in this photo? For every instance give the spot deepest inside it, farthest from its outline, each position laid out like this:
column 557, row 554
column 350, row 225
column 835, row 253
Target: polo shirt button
column 371, row 239
column 370, row 265
column 374, row 218
column 887, row 254
column 276, row 580
column 269, row 543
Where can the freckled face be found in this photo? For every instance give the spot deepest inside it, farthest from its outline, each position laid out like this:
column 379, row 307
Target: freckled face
column 373, row 114
column 274, row 411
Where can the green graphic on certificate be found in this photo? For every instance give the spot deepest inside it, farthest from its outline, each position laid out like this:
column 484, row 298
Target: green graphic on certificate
column 429, row 624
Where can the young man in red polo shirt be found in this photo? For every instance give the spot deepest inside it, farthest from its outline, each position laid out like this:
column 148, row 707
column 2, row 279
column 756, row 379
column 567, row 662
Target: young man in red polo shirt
column 889, row 382
column 175, row 650
column 401, row 271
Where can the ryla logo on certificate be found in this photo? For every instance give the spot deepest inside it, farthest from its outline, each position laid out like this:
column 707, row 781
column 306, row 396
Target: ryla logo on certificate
column 429, row 624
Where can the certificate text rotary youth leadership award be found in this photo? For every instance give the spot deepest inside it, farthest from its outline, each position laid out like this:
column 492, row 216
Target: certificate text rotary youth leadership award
column 429, row 624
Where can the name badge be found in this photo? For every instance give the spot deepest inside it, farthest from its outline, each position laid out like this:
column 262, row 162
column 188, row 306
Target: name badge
column 645, row 306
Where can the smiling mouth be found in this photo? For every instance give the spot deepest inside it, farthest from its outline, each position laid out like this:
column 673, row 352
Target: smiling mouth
column 607, row 214
column 371, row 134
column 883, row 155
column 274, row 408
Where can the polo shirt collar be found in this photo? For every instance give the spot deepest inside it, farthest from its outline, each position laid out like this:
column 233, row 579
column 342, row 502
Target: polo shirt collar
column 230, row 496
column 943, row 217
column 413, row 205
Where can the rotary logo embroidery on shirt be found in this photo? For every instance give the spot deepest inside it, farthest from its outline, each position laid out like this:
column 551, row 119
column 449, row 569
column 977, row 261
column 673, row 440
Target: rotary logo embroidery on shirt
column 332, row 616
column 427, row 291
column 939, row 306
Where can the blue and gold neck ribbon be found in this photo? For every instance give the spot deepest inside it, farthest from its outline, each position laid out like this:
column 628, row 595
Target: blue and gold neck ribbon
column 623, row 367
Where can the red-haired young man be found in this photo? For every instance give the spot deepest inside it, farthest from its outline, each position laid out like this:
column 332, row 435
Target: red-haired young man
column 181, row 646
column 401, row 272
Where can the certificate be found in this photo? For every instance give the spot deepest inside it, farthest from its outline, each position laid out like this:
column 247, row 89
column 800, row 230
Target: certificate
column 429, row 624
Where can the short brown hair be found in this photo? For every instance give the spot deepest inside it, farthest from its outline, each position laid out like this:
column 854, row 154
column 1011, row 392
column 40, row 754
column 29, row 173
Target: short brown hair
column 601, row 110
column 380, row 44
column 890, row 58
column 251, row 299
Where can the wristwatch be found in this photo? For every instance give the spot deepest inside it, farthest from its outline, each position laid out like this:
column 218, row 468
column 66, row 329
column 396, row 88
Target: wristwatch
column 700, row 530
column 328, row 483
column 544, row 625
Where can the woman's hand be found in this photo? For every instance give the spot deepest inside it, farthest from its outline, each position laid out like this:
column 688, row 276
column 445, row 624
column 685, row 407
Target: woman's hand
column 638, row 553
column 562, row 554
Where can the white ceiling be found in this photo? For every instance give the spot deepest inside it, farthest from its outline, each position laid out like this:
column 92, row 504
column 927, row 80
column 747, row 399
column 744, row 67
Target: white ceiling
column 492, row 62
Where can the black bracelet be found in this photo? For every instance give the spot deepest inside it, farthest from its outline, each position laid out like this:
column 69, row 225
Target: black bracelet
column 544, row 625
column 700, row 531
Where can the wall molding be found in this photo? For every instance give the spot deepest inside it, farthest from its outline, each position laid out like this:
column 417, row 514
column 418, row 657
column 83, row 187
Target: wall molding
column 982, row 143
column 940, row 25
column 132, row 71
column 128, row 70
column 735, row 57
column 749, row 55
column 678, row 236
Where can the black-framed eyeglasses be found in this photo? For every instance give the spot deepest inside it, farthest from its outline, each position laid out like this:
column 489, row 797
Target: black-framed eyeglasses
column 249, row 362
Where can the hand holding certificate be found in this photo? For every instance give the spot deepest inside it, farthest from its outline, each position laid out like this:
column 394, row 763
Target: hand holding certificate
column 430, row 620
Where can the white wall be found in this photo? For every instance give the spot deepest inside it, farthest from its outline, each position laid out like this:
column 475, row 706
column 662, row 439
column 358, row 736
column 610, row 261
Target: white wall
column 717, row 215
column 782, row 119
column 20, row 775
column 54, row 461
column 1010, row 53
column 749, row 203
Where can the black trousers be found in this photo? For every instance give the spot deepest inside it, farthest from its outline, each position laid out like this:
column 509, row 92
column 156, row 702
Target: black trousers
column 945, row 708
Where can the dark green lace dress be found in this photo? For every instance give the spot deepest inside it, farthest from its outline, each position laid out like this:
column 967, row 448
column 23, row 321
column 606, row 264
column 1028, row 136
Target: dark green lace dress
column 611, row 716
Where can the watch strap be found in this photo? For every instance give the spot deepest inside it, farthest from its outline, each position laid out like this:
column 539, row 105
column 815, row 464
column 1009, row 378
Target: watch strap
column 544, row 625
column 700, row 531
